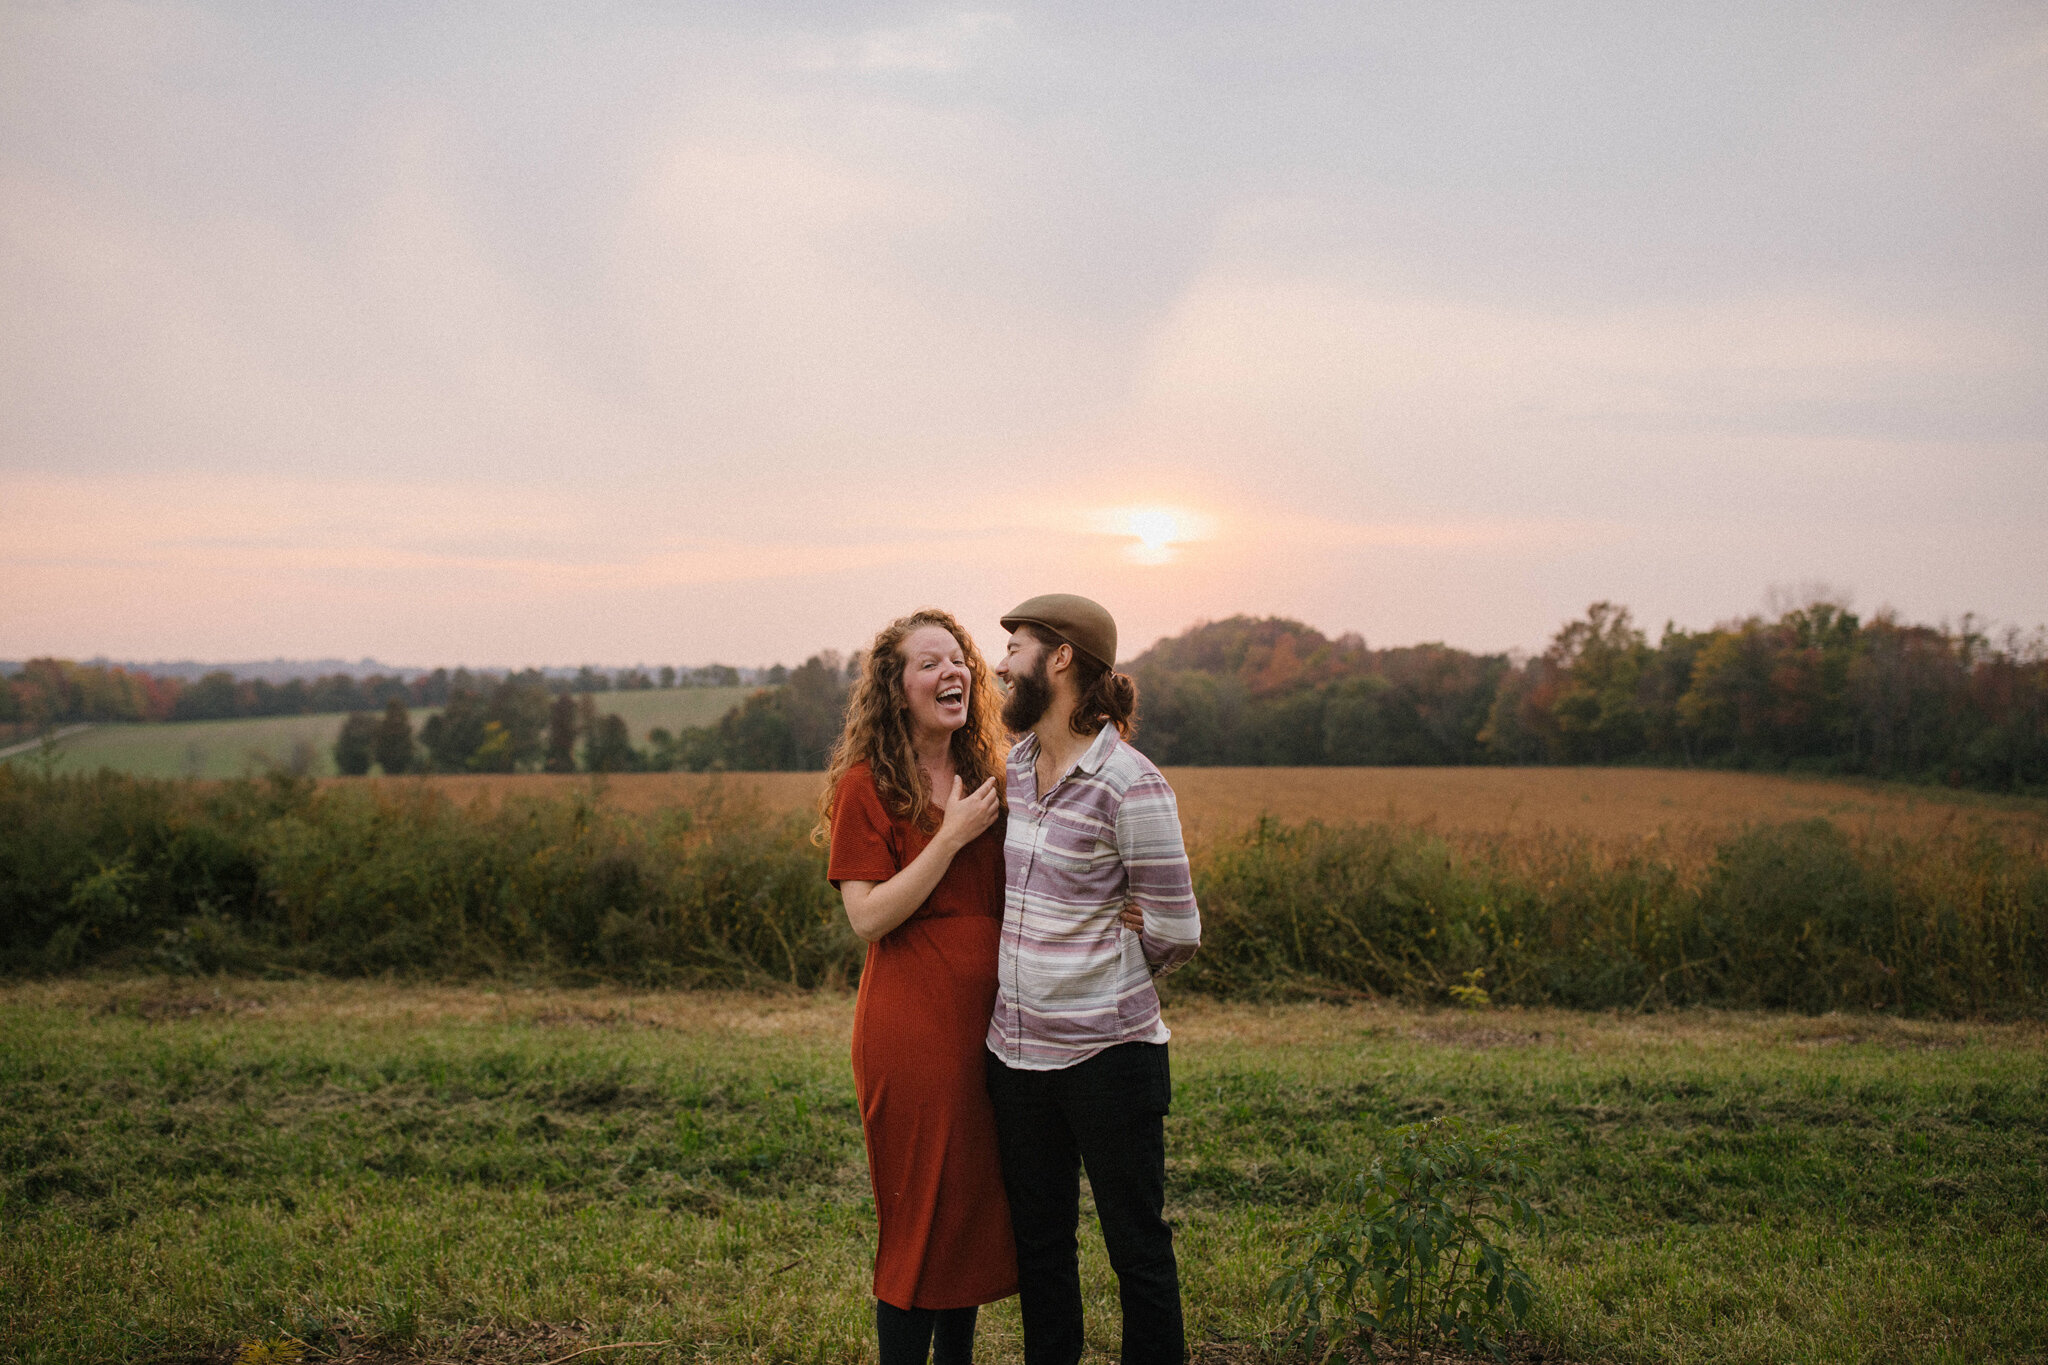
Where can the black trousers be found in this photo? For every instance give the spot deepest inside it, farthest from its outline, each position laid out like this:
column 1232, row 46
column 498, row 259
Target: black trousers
column 915, row 1336
column 1109, row 1115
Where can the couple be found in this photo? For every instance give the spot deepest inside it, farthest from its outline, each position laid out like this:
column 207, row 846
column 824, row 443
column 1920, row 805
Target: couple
column 1007, row 1032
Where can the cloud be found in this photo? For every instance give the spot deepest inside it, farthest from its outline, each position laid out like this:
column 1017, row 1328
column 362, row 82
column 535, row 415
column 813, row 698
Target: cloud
column 1339, row 350
column 941, row 44
column 227, row 340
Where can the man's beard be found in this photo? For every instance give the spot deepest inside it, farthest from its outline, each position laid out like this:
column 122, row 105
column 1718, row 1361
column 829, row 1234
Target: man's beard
column 1030, row 697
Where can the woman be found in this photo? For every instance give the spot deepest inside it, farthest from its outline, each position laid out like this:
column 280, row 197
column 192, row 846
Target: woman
column 913, row 805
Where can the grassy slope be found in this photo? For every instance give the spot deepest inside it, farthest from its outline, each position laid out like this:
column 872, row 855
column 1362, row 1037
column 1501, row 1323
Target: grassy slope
column 675, row 708
column 184, row 1171
column 231, row 748
column 202, row 748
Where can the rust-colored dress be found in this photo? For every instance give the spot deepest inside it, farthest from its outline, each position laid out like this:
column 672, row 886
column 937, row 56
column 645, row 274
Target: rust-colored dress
column 919, row 1030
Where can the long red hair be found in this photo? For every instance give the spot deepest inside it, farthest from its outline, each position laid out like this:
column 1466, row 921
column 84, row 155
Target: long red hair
column 878, row 726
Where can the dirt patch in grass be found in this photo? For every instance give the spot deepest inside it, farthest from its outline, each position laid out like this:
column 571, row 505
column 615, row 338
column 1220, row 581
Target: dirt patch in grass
column 1473, row 1033
column 1520, row 1351
column 370, row 1001
column 1851, row 1030
column 525, row 1344
column 173, row 1003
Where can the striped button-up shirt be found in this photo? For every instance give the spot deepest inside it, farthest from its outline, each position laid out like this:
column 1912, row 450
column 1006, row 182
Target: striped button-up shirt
column 1070, row 979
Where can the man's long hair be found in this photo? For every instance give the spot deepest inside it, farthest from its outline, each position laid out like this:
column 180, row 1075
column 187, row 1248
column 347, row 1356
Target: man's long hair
column 1103, row 696
column 878, row 727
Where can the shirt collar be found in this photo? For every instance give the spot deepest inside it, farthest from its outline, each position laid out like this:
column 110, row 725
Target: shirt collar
column 1091, row 759
column 1098, row 752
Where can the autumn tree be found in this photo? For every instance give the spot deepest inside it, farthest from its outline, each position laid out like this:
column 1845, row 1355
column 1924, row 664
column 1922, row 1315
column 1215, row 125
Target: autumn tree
column 355, row 745
column 1596, row 715
column 393, row 746
column 560, row 746
column 608, row 746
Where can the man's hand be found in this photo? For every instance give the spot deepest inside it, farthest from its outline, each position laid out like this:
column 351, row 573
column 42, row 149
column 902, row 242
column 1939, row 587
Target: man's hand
column 1131, row 917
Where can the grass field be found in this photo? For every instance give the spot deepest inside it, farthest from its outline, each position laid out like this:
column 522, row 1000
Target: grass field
column 235, row 748
column 674, row 708
column 444, row 1173
column 1609, row 804
column 203, row 748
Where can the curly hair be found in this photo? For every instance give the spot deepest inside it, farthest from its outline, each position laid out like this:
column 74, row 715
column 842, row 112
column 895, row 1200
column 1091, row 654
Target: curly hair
column 878, row 727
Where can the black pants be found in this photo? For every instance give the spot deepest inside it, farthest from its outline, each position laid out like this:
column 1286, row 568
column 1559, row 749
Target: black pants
column 912, row 1336
column 1108, row 1114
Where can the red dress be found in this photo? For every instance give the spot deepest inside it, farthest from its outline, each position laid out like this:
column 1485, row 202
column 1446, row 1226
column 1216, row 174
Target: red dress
column 919, row 1030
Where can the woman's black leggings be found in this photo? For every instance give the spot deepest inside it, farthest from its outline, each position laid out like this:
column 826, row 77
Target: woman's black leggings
column 910, row 1336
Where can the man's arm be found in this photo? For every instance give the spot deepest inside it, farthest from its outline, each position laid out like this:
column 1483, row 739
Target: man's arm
column 1156, row 864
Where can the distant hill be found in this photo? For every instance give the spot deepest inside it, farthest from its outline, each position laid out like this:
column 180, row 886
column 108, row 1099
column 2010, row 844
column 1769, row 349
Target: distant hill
column 1268, row 690
column 1267, row 654
column 269, row 670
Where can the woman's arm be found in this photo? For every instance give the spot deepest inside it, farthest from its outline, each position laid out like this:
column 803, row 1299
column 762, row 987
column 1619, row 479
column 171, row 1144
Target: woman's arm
column 874, row 908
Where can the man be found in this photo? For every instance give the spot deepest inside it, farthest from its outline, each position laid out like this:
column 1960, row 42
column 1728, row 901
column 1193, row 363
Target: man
column 1077, row 1064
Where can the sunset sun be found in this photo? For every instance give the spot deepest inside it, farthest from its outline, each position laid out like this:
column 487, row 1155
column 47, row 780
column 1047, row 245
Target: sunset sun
column 1156, row 532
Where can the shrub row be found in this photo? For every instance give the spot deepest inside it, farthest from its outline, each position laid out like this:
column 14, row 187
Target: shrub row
column 1782, row 916
column 281, row 875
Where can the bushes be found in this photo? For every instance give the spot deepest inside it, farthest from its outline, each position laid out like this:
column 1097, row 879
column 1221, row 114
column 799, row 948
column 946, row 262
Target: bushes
column 352, row 880
column 1791, row 918
column 1782, row 916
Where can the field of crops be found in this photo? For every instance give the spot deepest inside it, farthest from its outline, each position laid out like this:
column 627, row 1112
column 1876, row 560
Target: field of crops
column 440, row 1173
column 236, row 748
column 1607, row 804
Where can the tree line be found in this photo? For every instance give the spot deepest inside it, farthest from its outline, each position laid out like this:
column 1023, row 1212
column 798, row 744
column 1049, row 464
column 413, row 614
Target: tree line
column 518, row 724
column 59, row 691
column 1814, row 689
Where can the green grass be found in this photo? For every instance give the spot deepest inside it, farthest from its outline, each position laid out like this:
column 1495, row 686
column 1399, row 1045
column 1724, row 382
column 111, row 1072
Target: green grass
column 237, row 748
column 674, row 709
column 188, row 1167
column 201, row 748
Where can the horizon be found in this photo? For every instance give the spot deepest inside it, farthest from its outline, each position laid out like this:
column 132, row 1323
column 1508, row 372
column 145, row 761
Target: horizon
column 611, row 334
column 1999, row 633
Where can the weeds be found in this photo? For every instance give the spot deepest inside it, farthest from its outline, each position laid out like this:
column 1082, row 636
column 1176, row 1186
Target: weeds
column 283, row 876
column 1413, row 1256
column 1796, row 916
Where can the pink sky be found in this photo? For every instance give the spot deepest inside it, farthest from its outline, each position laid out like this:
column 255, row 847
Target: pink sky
column 609, row 339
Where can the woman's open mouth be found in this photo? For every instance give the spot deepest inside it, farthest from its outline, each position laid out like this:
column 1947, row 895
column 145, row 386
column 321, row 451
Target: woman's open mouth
column 952, row 696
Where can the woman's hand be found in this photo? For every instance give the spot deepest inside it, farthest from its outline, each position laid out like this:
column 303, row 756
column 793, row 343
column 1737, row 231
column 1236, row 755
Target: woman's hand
column 1131, row 917
column 875, row 908
column 967, row 815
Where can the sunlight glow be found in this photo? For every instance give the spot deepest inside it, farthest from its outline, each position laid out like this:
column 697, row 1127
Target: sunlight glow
column 1157, row 531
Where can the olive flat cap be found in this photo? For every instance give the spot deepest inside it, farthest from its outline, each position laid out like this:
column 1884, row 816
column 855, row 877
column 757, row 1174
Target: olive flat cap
column 1091, row 629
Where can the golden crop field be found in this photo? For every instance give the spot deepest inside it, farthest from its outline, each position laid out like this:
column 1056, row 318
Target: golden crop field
column 1606, row 804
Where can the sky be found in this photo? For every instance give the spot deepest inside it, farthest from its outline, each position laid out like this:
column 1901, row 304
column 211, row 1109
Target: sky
column 632, row 332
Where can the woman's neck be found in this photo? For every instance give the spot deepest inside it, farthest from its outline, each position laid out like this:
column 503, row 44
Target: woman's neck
column 934, row 750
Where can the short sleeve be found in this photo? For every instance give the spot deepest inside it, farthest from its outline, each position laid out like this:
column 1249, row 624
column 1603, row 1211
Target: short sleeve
column 862, row 848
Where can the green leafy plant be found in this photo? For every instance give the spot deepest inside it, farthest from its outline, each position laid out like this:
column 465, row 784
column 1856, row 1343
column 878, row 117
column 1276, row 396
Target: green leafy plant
column 1414, row 1255
column 1473, row 994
